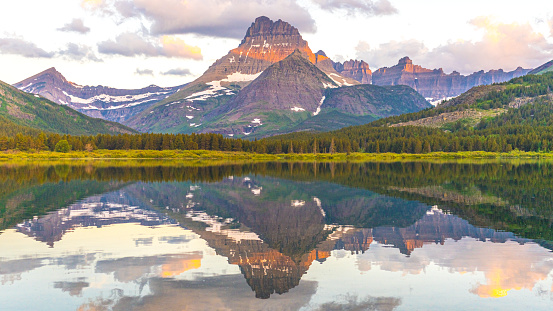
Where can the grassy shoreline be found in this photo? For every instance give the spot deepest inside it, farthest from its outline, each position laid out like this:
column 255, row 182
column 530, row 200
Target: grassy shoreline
column 206, row 155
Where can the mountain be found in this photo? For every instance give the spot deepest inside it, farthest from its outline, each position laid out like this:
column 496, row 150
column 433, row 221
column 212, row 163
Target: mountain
column 286, row 92
column 358, row 70
column 96, row 101
column 269, row 84
column 434, row 84
column 32, row 114
column 547, row 67
column 265, row 43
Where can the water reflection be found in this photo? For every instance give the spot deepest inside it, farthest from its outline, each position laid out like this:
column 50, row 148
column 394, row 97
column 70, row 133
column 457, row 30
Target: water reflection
column 307, row 236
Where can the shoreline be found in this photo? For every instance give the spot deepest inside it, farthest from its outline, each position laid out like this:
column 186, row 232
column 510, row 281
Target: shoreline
column 207, row 155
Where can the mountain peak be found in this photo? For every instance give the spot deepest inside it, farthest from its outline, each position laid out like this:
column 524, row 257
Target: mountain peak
column 264, row 26
column 50, row 74
column 405, row 60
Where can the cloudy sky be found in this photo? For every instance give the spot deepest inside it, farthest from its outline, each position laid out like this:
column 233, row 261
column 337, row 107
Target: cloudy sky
column 135, row 43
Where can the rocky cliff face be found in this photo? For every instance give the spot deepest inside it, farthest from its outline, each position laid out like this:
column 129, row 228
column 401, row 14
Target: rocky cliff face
column 95, row 101
column 358, row 70
column 434, row 84
column 265, row 43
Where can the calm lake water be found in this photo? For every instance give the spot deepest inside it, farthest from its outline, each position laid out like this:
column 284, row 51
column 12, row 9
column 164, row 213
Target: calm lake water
column 276, row 236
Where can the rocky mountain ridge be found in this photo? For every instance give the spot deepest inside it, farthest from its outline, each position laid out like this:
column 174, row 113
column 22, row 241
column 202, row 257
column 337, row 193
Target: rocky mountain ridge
column 96, row 101
column 36, row 113
column 435, row 85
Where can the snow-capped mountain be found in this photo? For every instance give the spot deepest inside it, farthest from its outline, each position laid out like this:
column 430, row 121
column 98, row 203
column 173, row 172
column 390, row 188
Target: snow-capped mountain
column 95, row 101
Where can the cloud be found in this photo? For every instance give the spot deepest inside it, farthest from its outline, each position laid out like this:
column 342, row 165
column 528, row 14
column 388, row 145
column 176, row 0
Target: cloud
column 131, row 44
column 76, row 25
column 128, row 44
column 216, row 18
column 21, row 47
column 92, row 4
column 175, row 47
column 144, row 72
column 387, row 54
column 79, row 52
column 368, row 7
column 178, row 72
column 505, row 46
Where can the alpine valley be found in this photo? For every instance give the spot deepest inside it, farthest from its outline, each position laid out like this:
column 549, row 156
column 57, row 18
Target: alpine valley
column 272, row 83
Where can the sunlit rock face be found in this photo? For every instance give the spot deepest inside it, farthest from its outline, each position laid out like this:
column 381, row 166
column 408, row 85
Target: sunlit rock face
column 435, row 84
column 265, row 43
column 355, row 69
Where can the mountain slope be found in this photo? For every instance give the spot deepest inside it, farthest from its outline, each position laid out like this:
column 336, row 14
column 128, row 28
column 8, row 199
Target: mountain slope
column 34, row 112
column 285, row 93
column 479, row 103
column 547, row 67
column 95, row 101
column 376, row 100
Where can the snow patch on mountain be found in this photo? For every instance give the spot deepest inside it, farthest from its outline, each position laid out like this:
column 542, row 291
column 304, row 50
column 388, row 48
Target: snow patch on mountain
column 329, row 86
column 338, row 79
column 216, row 89
column 319, row 107
column 297, row 109
column 112, row 99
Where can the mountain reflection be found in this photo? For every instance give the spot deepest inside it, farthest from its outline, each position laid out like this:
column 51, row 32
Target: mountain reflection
column 275, row 224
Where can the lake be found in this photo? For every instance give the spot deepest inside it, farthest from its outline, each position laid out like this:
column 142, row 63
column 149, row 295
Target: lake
column 161, row 235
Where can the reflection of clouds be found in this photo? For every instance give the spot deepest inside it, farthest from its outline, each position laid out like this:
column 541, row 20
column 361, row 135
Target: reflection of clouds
column 352, row 302
column 19, row 266
column 177, row 265
column 222, row 293
column 135, row 268
column 73, row 288
column 506, row 266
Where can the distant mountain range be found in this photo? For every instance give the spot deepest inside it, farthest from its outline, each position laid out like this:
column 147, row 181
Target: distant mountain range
column 96, row 101
column 272, row 83
column 22, row 112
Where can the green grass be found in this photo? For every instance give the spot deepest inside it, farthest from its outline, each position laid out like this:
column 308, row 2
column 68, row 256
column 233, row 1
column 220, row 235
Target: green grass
column 195, row 155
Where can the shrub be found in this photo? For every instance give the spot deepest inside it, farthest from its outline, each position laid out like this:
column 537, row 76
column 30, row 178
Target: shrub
column 62, row 146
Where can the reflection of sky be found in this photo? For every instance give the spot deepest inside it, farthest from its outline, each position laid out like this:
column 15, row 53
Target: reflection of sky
column 93, row 267
column 102, row 262
column 453, row 276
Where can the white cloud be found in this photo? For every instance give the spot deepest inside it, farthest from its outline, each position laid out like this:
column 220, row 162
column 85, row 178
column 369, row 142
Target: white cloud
column 21, row 47
column 182, row 72
column 502, row 45
column 215, row 18
column 79, row 53
column 368, row 7
column 76, row 25
column 131, row 44
column 144, row 72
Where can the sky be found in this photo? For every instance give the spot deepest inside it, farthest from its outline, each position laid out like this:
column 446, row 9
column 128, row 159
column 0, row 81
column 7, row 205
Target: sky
column 136, row 43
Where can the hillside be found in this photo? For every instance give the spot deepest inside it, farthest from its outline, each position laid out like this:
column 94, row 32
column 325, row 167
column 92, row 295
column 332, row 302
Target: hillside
column 512, row 115
column 29, row 114
column 547, row 67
